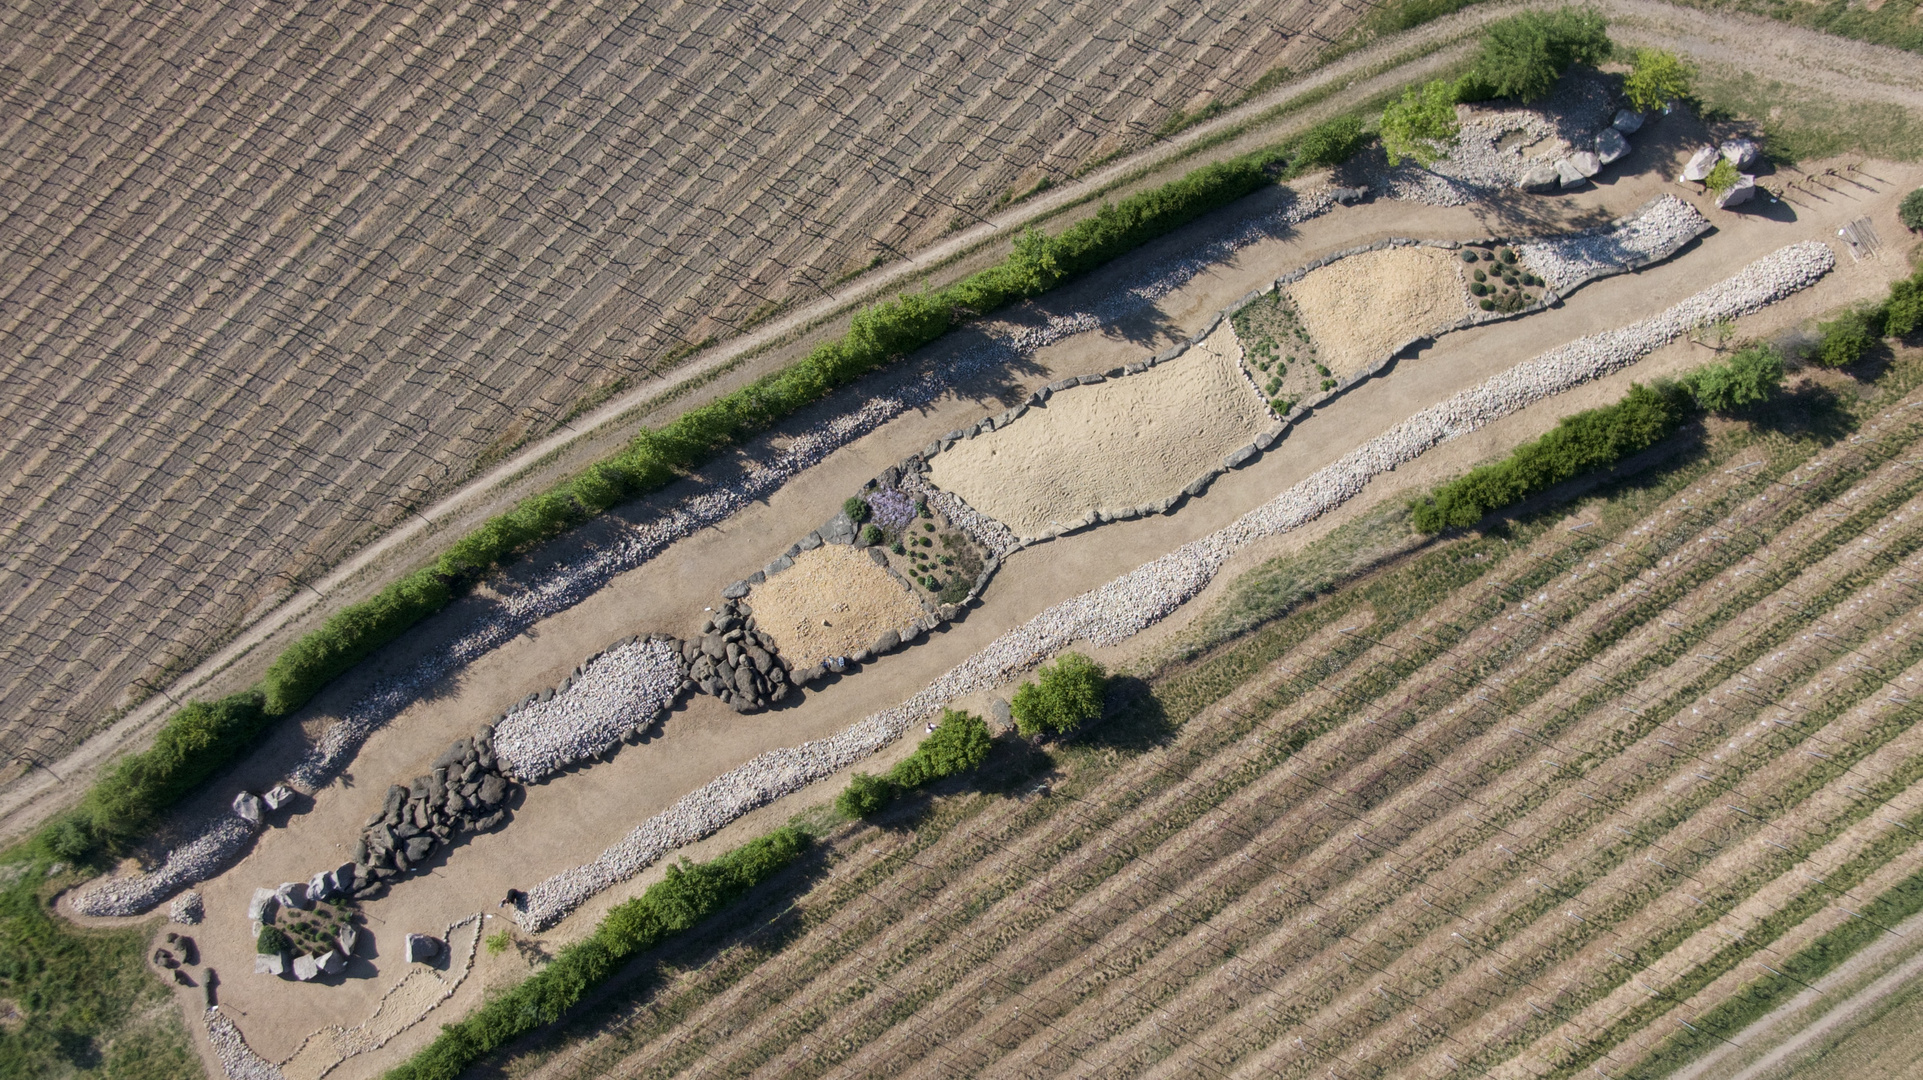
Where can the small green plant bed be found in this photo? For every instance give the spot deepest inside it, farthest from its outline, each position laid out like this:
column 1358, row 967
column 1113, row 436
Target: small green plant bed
column 1278, row 352
column 1498, row 281
column 313, row 931
column 941, row 561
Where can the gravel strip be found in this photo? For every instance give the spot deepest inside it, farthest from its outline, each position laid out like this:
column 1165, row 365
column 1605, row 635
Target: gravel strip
column 237, row 1059
column 219, row 844
column 993, row 537
column 620, row 692
column 1125, row 606
column 1654, row 233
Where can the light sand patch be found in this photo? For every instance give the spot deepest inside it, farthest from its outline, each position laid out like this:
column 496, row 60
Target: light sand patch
column 1359, row 308
column 834, row 601
column 1111, row 446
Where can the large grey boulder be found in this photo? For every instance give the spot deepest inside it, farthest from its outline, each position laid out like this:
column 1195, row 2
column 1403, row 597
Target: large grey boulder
column 1741, row 153
column 293, row 894
column 1699, row 164
column 269, row 964
column 1539, row 178
column 247, row 807
column 1611, row 146
column 349, row 937
column 419, row 847
column 1569, row 175
column 1741, row 192
column 333, row 962
column 1627, row 121
column 889, row 641
column 421, row 948
column 1586, row 162
column 305, row 968
column 280, row 796
column 262, row 907
column 321, row 885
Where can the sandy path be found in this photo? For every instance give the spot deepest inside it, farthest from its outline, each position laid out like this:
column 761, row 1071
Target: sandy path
column 1112, row 446
column 834, row 601
column 1360, row 308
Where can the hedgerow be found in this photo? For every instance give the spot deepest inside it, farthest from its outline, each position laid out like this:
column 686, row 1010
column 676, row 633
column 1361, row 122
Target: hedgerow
column 960, row 742
column 691, row 892
column 656, row 457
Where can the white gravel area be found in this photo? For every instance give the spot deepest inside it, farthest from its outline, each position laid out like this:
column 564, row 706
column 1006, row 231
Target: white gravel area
column 220, row 842
column 237, row 1059
column 621, row 691
column 1658, row 231
column 186, row 909
column 1479, row 165
column 1122, row 608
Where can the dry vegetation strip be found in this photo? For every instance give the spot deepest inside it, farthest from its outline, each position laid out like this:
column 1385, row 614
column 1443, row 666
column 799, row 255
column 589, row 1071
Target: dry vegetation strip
column 1438, row 830
column 278, row 274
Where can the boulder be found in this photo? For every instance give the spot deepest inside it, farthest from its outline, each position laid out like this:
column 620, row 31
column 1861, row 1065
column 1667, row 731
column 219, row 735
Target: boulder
column 347, row 939
column 493, row 790
column 1240, row 457
column 269, row 964
column 1699, row 164
column 421, row 948
column 1741, row 192
column 1539, row 178
column 740, row 588
column 1586, row 162
column 280, row 796
column 396, row 798
column 1611, row 146
column 1346, row 196
column 344, row 876
column 419, row 847
column 888, row 642
column 321, row 885
column 1568, row 175
column 247, row 807
column 1741, row 153
column 1627, row 121
column 262, row 907
column 1199, row 485
column 332, row 962
column 293, row 894
column 305, row 968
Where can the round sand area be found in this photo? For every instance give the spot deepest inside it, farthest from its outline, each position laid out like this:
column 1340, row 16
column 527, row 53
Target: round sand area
column 1112, row 445
column 834, row 601
column 1360, row 308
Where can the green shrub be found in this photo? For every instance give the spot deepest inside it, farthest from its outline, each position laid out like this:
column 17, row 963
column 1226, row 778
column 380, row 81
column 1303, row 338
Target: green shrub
column 310, row 663
column 1065, row 695
column 1847, row 338
column 870, row 535
column 1522, row 56
column 1903, row 311
column 1328, row 144
column 865, row 796
column 272, row 941
column 1585, row 441
column 1722, row 176
column 960, row 742
column 690, row 893
column 1656, row 78
column 1910, row 210
column 1420, row 124
column 1749, row 377
column 856, row 508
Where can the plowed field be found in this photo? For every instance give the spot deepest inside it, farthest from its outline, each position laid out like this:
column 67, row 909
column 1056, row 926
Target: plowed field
column 1527, row 802
column 278, row 273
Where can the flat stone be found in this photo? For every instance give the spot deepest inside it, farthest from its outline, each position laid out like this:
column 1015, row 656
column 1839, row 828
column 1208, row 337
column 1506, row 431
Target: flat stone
column 1199, row 485
column 306, row 968
column 880, row 559
column 888, row 642
column 1241, row 457
column 1539, row 178
column 1060, row 385
column 780, row 564
column 1171, row 353
column 1627, row 121
column 421, row 948
column 740, row 588
column 247, row 807
column 807, row 543
column 280, row 796
column 1090, row 380
column 1699, row 164
column 1611, row 146
column 1569, row 175
column 269, row 964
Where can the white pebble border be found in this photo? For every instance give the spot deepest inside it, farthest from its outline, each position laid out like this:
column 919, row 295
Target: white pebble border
column 237, row 1059
column 625, row 689
column 186, row 909
column 219, row 843
column 1125, row 606
column 994, row 537
column 1651, row 234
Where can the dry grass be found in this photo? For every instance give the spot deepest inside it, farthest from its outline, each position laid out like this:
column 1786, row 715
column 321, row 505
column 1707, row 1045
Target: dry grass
column 277, row 274
column 834, row 601
column 1357, row 309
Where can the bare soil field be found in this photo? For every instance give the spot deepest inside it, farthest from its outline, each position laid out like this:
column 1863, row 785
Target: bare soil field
column 834, row 601
column 1111, row 446
column 1358, row 309
column 279, row 276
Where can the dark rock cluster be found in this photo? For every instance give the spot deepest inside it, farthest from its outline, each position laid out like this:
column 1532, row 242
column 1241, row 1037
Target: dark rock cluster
column 465, row 792
column 735, row 661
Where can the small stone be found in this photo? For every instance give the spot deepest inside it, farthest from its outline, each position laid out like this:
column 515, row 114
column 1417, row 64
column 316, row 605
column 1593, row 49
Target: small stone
column 1627, row 121
column 247, row 807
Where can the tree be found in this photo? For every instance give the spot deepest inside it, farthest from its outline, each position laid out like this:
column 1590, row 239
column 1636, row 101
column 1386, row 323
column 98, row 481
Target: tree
column 1523, row 56
column 1420, row 124
column 1656, row 78
column 1903, row 311
column 1064, row 696
column 1911, row 210
column 1847, row 338
column 272, row 941
column 1722, row 176
column 865, row 796
column 959, row 743
column 1751, row 376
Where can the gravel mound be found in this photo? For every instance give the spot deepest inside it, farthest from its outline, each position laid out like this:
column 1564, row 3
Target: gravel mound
column 1650, row 235
column 1125, row 606
column 237, row 1059
column 619, row 692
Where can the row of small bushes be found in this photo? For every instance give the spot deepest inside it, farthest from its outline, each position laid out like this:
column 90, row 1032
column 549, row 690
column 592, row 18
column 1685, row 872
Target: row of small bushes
column 126, row 799
column 959, row 743
column 691, row 892
column 1598, row 438
column 1850, row 336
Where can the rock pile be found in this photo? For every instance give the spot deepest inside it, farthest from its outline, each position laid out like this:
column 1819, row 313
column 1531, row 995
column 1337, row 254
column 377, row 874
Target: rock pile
column 1653, row 233
column 616, row 694
column 1127, row 605
column 466, row 791
column 736, row 661
column 237, row 1059
column 186, row 908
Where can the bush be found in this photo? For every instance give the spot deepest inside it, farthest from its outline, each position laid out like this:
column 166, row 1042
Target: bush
column 272, row 942
column 1910, row 210
column 1722, row 176
column 1585, row 441
column 344, row 640
column 1522, row 56
column 856, row 508
column 870, row 535
column 1420, row 124
column 691, row 892
column 865, row 796
column 1847, row 338
column 1750, row 377
column 1656, row 78
column 1066, row 695
column 1328, row 144
column 960, row 742
column 1903, row 311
